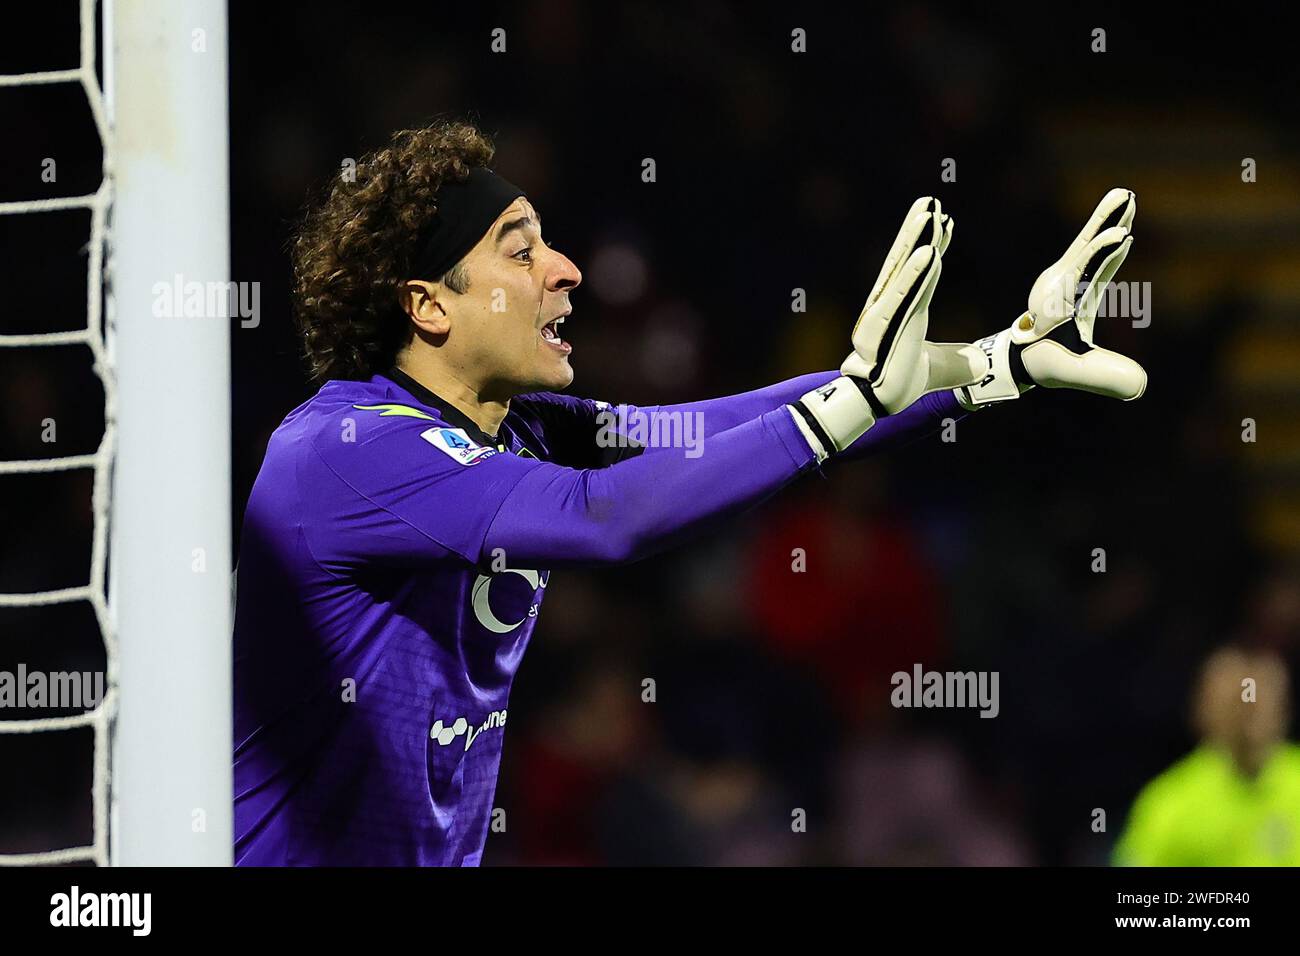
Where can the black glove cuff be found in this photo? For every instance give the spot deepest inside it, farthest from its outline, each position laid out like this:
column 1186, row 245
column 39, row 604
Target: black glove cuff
column 815, row 427
column 873, row 403
column 1019, row 374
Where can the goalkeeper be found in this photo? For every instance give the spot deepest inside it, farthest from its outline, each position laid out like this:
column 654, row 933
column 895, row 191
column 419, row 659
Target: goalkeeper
column 399, row 538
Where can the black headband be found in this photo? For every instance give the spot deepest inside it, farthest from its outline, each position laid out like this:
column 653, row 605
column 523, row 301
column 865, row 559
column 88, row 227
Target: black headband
column 466, row 210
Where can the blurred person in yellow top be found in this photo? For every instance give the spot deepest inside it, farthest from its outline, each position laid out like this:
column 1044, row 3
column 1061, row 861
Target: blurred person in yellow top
column 1235, row 799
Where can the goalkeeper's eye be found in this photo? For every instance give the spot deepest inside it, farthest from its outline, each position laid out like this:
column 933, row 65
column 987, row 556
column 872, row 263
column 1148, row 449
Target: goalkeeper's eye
column 527, row 251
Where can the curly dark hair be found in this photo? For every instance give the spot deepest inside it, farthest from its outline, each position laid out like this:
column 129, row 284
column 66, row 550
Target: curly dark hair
column 352, row 251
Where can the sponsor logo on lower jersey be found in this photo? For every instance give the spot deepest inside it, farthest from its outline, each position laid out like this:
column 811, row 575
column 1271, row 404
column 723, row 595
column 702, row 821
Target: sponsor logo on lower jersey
column 447, row 733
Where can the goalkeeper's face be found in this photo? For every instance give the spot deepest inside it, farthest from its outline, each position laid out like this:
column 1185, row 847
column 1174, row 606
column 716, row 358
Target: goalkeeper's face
column 504, row 332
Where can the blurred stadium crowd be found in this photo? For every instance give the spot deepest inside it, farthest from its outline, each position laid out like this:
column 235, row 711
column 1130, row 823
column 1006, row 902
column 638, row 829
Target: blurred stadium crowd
column 778, row 171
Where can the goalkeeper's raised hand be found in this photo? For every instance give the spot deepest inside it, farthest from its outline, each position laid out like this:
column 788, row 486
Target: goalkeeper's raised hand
column 892, row 365
column 1051, row 344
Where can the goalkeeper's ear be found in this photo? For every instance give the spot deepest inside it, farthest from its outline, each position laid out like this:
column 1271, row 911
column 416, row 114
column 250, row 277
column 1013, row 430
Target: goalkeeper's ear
column 421, row 301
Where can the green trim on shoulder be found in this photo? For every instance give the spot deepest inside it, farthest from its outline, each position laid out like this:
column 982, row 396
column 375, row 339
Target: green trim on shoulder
column 402, row 411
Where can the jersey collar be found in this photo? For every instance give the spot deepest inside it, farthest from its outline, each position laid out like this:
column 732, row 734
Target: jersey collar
column 449, row 412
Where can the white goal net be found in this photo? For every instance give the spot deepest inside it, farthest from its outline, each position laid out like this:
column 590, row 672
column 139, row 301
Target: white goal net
column 91, row 335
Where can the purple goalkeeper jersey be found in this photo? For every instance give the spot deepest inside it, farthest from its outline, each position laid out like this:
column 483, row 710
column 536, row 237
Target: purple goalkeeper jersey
column 372, row 677
column 393, row 561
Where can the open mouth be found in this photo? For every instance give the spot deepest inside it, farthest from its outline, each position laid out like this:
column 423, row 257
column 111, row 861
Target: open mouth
column 551, row 334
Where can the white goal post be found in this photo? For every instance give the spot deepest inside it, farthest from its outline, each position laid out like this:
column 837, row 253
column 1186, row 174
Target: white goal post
column 170, row 594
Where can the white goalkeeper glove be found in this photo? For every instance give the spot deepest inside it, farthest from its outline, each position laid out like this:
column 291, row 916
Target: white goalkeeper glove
column 891, row 364
column 1051, row 344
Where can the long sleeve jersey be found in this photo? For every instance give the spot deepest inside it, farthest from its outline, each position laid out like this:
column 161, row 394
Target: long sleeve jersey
column 393, row 562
